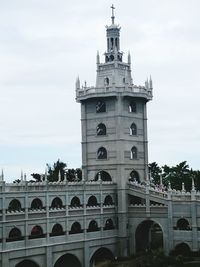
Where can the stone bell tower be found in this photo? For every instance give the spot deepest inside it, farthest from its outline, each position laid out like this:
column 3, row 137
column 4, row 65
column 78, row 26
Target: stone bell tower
column 114, row 126
column 114, row 119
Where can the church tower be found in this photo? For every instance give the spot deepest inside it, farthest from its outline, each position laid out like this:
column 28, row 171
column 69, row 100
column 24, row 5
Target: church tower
column 114, row 118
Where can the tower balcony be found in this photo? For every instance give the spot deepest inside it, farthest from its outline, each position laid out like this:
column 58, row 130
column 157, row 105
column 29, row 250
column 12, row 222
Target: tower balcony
column 85, row 93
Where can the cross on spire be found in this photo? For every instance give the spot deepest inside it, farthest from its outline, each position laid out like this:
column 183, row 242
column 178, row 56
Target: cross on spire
column 113, row 17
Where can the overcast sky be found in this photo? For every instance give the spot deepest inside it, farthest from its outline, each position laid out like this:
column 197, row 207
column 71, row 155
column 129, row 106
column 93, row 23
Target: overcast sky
column 45, row 44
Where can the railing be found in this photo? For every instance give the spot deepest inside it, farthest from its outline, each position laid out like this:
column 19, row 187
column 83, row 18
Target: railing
column 113, row 89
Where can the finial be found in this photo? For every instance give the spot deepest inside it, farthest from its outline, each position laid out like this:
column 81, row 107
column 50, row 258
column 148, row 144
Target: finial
column 98, row 59
column 147, row 84
column 59, row 176
column 113, row 17
column 129, row 57
column 77, row 83
column 22, row 175
column 169, row 186
column 2, row 175
column 99, row 176
column 183, row 187
column 161, row 182
column 193, row 185
column 150, row 83
column 45, row 175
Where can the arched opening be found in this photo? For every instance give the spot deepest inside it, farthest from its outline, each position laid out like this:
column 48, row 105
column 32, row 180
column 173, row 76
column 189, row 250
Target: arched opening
column 100, row 106
column 148, row 236
column 75, row 202
column 111, row 57
column 132, row 106
column 57, row 230
column 108, row 200
column 102, row 153
column 101, row 129
column 76, row 228
column 56, row 203
column 92, row 201
column 14, row 235
column 104, row 176
column 133, row 129
column 182, row 249
column 14, row 205
column 134, row 152
column 101, row 255
column 183, row 224
column 36, row 232
column 109, row 225
column 106, row 81
column 93, row 226
column 27, row 263
column 68, row 260
column 36, row 204
column 134, row 176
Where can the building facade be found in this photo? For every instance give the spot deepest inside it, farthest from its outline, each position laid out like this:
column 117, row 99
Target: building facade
column 114, row 210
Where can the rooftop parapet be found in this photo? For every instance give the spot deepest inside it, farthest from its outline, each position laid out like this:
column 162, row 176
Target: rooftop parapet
column 107, row 91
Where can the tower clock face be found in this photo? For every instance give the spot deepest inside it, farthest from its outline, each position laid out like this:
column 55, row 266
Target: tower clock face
column 100, row 106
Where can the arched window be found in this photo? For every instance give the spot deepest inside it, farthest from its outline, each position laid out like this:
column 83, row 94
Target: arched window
column 106, row 81
column 134, row 152
column 14, row 205
column 92, row 201
column 104, row 176
column 36, row 204
column 108, row 200
column 101, row 129
column 132, row 106
column 134, row 176
column 76, row 228
column 100, row 106
column 183, row 224
column 102, row 153
column 75, row 202
column 56, row 203
column 93, row 226
column 14, row 235
column 111, row 57
column 57, row 230
column 36, row 232
column 26, row 263
column 109, row 225
column 133, row 129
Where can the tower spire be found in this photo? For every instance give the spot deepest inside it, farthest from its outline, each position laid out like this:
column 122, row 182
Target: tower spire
column 113, row 17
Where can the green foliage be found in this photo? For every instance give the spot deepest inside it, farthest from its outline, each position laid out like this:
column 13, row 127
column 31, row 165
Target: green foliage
column 176, row 175
column 59, row 168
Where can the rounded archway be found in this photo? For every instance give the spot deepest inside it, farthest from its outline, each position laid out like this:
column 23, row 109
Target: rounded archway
column 14, row 205
column 14, row 235
column 104, row 176
column 148, row 236
column 134, row 176
column 108, row 200
column 56, row 203
column 183, row 224
column 93, row 226
column 101, row 255
column 27, row 263
column 36, row 232
column 57, row 230
column 76, row 228
column 182, row 249
column 68, row 260
column 75, row 202
column 92, row 201
column 36, row 204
